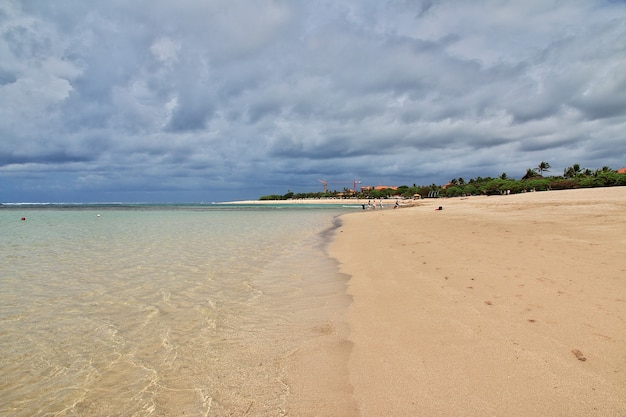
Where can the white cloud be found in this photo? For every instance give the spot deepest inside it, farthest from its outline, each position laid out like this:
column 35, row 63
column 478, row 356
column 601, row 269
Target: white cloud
column 165, row 50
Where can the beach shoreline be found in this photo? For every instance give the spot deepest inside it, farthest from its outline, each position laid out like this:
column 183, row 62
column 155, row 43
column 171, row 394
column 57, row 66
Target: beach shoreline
column 503, row 305
column 327, row 201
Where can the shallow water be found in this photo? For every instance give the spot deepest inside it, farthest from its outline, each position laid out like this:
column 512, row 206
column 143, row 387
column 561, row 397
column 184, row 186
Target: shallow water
column 159, row 311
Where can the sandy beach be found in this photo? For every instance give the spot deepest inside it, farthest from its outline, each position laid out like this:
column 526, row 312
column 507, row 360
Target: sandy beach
column 494, row 306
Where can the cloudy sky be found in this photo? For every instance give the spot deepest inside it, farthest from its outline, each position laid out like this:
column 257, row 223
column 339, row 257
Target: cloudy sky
column 214, row 100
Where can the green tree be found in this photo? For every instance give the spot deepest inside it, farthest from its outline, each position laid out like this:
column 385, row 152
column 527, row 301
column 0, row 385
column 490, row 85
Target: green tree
column 469, row 190
column 573, row 171
column 454, row 191
column 604, row 170
column 543, row 167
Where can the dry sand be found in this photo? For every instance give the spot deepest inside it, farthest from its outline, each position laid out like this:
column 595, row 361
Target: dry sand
column 494, row 306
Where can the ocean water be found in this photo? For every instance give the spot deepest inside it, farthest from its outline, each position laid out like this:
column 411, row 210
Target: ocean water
column 161, row 310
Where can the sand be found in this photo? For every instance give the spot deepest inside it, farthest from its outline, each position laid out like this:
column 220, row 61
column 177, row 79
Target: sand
column 494, row 306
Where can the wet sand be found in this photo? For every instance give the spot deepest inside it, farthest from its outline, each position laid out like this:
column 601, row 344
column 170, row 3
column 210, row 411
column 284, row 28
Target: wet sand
column 501, row 306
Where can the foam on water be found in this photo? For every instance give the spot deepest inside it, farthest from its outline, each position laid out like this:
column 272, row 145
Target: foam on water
column 157, row 312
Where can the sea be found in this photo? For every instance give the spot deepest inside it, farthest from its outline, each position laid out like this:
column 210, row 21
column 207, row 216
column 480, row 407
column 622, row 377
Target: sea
column 163, row 310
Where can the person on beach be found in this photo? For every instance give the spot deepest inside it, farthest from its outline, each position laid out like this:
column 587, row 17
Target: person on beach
column 397, row 205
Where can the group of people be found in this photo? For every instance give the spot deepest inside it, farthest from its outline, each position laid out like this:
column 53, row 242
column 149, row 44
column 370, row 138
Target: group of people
column 371, row 205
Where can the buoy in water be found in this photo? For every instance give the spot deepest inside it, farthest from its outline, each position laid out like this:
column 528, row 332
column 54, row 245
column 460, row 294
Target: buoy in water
column 23, row 218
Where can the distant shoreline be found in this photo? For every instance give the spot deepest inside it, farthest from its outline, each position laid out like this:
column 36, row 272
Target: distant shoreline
column 337, row 201
column 300, row 201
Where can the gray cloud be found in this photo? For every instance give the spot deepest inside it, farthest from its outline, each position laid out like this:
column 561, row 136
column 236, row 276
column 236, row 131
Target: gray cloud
column 194, row 100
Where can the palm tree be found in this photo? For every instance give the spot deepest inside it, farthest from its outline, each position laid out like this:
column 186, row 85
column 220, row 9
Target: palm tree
column 543, row 166
column 573, row 171
column 605, row 169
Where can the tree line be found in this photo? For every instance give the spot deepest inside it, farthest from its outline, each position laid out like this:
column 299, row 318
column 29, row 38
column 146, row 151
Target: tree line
column 573, row 176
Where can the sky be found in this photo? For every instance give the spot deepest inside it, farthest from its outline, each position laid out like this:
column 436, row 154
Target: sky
column 211, row 100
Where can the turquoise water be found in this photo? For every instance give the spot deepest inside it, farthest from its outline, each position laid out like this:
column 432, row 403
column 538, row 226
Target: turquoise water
column 159, row 311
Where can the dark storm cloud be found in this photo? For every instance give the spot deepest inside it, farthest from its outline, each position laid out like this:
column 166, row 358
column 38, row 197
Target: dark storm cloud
column 203, row 96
